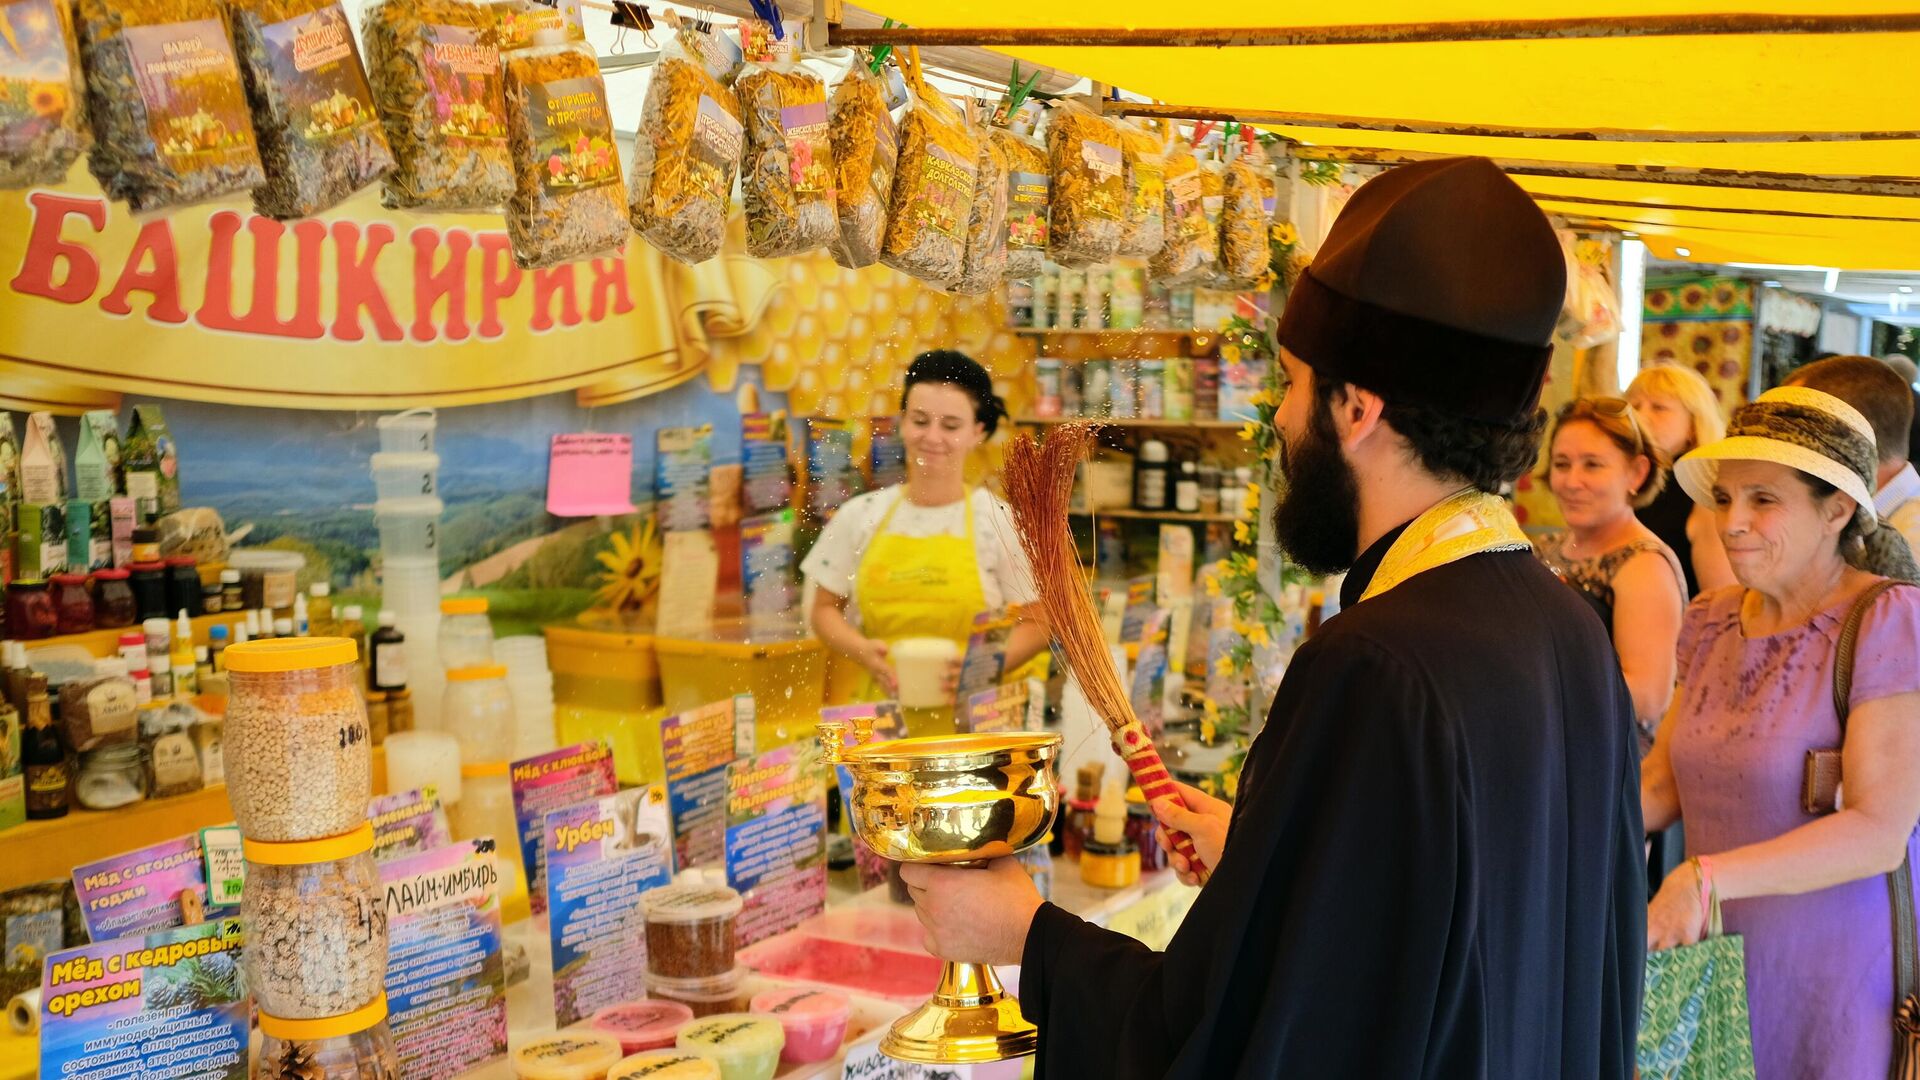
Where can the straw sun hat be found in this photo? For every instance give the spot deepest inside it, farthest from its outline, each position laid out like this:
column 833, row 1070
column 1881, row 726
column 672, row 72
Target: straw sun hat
column 1803, row 429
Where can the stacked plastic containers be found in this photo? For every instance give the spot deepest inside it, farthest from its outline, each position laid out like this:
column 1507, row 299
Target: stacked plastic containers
column 690, row 947
column 532, row 685
column 299, row 775
column 477, row 710
column 406, row 476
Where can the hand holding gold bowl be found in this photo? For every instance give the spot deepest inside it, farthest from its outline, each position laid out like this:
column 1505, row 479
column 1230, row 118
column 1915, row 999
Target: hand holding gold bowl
column 957, row 800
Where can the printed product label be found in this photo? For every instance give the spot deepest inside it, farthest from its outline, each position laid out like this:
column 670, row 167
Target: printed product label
column 518, row 26
column 946, row 193
column 464, row 74
column 316, row 64
column 716, row 149
column 572, row 134
column 190, row 84
column 391, row 662
column 1026, row 210
column 32, row 938
column 808, row 156
column 174, row 761
column 1109, row 194
column 1213, row 204
column 1149, row 188
column 112, row 707
column 36, row 82
column 886, row 155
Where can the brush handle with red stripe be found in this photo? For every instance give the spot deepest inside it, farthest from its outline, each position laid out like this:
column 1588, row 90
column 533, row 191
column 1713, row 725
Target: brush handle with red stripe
column 1143, row 761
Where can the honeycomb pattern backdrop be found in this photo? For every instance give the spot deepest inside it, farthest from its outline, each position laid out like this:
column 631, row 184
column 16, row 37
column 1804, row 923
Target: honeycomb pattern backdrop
column 837, row 343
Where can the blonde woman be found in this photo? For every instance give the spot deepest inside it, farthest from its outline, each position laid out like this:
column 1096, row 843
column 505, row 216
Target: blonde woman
column 1680, row 413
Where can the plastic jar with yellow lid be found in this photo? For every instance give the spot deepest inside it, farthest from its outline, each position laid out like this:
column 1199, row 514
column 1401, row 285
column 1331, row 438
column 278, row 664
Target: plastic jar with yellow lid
column 566, row 1057
column 666, row 1065
column 299, row 753
column 745, row 1047
column 355, row 1046
column 316, row 919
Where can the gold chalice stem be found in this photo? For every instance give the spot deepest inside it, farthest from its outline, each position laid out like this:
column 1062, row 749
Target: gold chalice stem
column 970, row 1019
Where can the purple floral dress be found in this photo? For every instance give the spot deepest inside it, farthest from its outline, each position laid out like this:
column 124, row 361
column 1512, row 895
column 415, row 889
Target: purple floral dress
column 1819, row 965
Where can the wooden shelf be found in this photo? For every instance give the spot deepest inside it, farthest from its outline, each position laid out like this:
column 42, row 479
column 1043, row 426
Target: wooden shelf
column 1135, row 422
column 1122, row 344
column 1156, row 515
column 107, row 642
column 41, row 850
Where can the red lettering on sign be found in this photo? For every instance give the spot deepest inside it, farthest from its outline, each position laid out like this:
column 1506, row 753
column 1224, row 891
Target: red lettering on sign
column 162, row 282
column 45, row 249
column 263, row 316
column 498, row 280
column 450, row 281
column 356, row 286
column 547, row 283
column 610, row 288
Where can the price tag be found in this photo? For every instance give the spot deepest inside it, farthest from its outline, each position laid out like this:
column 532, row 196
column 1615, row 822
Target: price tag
column 226, row 865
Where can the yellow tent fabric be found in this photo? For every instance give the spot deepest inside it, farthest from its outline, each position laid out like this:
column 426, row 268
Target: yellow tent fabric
column 1815, row 87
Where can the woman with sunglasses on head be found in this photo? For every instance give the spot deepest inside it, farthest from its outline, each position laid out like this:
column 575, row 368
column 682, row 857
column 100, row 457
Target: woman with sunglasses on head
column 1601, row 468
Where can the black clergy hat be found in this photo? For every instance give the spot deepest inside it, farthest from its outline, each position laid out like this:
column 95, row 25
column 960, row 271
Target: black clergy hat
column 1439, row 285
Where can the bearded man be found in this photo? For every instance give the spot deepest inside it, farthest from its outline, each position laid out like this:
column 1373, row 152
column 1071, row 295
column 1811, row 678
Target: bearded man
column 1434, row 868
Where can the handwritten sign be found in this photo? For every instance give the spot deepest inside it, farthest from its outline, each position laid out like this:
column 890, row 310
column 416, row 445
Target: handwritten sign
column 589, row 474
column 601, row 856
column 547, row 782
column 139, row 891
column 172, row 1003
column 777, row 839
column 697, row 747
column 446, row 980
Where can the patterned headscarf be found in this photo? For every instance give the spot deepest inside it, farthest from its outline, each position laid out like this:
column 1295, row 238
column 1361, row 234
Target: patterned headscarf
column 1819, row 435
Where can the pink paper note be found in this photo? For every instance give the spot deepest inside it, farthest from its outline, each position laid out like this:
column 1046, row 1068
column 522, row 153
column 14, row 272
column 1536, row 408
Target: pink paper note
column 589, row 475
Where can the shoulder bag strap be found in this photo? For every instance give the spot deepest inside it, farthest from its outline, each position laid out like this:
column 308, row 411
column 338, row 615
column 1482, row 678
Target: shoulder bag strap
column 1906, row 942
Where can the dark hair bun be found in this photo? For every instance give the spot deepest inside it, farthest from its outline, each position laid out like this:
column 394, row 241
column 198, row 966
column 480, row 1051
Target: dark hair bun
column 958, row 369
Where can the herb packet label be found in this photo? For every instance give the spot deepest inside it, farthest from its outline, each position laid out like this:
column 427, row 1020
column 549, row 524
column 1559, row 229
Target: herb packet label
column 809, row 158
column 314, row 59
column 1026, row 210
column 35, row 74
column 464, row 71
column 1109, row 192
column 572, row 134
column 717, row 139
column 1149, row 188
column 886, row 155
column 226, row 865
column 188, row 79
column 946, row 197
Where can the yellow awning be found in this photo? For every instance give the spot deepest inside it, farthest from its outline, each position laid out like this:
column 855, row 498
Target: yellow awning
column 1722, row 190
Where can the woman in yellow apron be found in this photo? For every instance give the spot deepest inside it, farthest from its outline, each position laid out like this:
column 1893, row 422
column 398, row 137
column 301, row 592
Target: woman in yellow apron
column 921, row 559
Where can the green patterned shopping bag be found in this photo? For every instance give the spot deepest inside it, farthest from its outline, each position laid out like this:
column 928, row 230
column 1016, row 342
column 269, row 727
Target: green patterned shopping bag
column 1693, row 1016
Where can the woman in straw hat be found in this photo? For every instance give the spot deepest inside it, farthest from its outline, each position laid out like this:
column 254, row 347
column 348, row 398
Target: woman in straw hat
column 1792, row 496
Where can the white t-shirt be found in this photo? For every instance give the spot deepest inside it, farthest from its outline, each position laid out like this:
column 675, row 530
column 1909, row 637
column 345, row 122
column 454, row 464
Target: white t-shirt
column 834, row 562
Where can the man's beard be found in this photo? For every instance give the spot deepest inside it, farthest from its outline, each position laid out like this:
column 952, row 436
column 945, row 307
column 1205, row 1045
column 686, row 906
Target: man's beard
column 1317, row 518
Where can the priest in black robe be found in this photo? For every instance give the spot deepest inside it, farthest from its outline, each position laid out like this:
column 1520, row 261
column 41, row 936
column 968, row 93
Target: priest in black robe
column 1434, row 867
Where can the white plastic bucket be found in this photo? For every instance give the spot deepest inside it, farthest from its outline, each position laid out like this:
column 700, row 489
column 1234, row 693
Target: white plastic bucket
column 921, row 664
column 407, row 432
column 405, row 475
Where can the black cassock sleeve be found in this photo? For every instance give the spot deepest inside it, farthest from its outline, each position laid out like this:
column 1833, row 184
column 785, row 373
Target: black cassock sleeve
column 1332, row 940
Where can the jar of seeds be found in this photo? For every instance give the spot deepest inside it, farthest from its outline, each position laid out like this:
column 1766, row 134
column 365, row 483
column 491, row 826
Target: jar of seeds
column 316, row 921
column 356, row 1046
column 299, row 757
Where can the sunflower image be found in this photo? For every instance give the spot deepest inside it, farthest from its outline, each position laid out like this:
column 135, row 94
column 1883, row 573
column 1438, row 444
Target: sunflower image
column 48, row 99
column 632, row 578
column 1692, row 299
column 1659, row 301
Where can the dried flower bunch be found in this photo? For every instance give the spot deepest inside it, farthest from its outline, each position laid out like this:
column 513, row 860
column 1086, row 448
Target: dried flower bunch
column 1089, row 196
column 686, row 157
column 932, row 190
column 985, row 263
column 436, row 85
column 43, row 93
column 320, row 139
column 865, row 151
column 1250, row 189
column 1144, row 231
column 1190, row 236
column 1028, row 190
column 568, row 201
column 787, row 183
column 194, row 141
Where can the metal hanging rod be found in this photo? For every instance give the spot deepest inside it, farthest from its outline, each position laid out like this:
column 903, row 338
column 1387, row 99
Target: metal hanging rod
column 1415, row 33
column 1750, row 180
column 1430, row 127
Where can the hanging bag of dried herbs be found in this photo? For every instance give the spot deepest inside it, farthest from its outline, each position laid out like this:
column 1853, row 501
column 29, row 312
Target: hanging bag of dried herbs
column 865, row 151
column 788, row 180
column 687, row 152
column 164, row 96
column 568, row 200
column 932, row 184
column 1250, row 189
column 43, row 124
column 1190, row 238
column 436, row 85
column 985, row 264
column 1213, row 189
column 1089, row 197
column 1028, row 184
column 320, row 138
column 1144, row 155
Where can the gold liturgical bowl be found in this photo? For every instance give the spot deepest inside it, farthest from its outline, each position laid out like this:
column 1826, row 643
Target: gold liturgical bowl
column 958, row 800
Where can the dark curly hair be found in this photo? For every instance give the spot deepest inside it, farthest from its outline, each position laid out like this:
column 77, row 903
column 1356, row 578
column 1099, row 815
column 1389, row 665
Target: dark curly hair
column 958, row 369
column 1487, row 455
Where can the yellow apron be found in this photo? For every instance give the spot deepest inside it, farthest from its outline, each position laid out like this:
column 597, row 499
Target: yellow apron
column 918, row 586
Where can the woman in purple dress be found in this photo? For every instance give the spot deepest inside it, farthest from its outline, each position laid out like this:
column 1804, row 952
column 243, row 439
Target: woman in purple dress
column 1791, row 491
